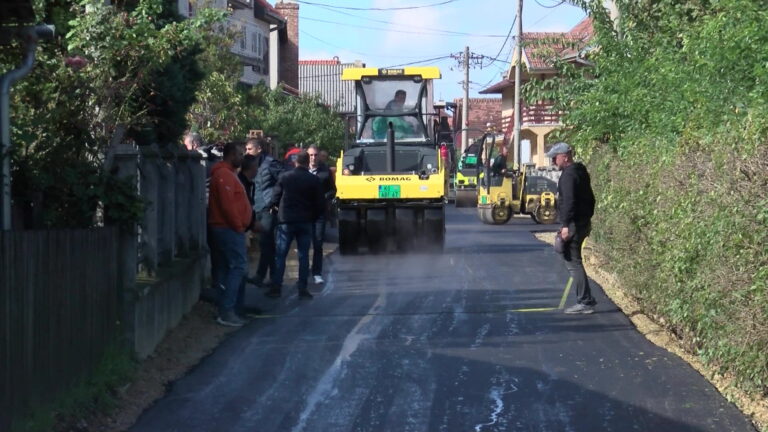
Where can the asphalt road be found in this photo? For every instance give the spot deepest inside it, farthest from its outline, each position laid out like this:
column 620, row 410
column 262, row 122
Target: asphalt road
column 470, row 340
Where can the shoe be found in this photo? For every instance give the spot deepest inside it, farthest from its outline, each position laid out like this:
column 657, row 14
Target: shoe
column 579, row 309
column 251, row 312
column 273, row 293
column 304, row 294
column 318, row 280
column 230, row 319
column 254, row 281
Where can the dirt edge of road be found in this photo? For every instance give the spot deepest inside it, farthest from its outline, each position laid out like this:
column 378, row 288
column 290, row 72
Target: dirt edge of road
column 196, row 336
column 756, row 409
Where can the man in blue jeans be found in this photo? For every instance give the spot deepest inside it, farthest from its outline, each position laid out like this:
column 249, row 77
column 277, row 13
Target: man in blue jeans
column 229, row 216
column 321, row 170
column 298, row 200
column 264, row 184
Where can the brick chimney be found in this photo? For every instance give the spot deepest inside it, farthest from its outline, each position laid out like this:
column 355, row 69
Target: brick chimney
column 289, row 49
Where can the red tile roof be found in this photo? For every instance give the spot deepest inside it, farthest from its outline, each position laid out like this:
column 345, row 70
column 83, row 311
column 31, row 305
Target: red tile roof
column 583, row 27
column 269, row 7
column 540, row 49
column 498, row 87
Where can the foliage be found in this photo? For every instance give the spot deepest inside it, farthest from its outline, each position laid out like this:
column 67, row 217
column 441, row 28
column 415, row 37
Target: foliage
column 227, row 111
column 113, row 73
column 94, row 394
column 672, row 119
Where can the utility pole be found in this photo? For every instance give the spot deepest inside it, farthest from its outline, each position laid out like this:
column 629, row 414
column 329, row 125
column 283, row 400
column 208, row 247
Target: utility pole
column 466, row 59
column 465, row 105
column 518, row 67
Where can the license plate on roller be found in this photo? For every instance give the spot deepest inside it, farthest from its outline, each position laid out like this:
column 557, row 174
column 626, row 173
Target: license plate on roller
column 389, row 191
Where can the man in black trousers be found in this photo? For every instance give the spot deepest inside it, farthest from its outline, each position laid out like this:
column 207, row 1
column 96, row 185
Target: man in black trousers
column 299, row 202
column 575, row 207
column 321, row 170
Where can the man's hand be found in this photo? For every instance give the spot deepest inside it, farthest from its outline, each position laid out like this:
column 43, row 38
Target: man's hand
column 565, row 233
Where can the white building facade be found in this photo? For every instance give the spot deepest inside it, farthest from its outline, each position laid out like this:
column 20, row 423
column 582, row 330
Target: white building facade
column 256, row 24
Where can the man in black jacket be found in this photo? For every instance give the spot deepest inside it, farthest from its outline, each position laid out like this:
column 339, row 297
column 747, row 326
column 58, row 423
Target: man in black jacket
column 298, row 198
column 323, row 173
column 575, row 207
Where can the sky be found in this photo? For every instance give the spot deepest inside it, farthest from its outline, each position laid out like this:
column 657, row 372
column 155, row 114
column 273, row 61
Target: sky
column 426, row 34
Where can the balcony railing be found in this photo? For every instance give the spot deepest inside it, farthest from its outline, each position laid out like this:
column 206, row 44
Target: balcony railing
column 538, row 114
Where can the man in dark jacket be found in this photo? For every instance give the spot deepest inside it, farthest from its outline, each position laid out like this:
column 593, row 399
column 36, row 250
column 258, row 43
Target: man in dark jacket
column 246, row 174
column 323, row 173
column 575, row 207
column 264, row 183
column 298, row 198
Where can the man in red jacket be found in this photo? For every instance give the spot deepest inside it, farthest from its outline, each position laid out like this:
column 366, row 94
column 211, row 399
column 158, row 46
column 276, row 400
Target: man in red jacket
column 229, row 215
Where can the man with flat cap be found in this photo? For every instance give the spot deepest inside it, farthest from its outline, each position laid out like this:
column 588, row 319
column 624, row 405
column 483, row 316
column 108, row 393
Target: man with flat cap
column 575, row 207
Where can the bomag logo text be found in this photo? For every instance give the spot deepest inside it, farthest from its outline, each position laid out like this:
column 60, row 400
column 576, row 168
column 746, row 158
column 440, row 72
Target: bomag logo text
column 388, row 179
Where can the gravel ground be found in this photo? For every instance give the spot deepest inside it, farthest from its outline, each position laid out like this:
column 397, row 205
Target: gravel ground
column 756, row 408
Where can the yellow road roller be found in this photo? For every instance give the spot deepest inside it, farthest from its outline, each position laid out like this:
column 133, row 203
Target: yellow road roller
column 391, row 191
column 504, row 191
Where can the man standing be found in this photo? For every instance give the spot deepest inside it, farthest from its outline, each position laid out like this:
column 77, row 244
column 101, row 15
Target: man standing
column 253, row 147
column 397, row 103
column 298, row 197
column 229, row 215
column 248, row 170
column 322, row 172
column 266, row 178
column 193, row 141
column 575, row 207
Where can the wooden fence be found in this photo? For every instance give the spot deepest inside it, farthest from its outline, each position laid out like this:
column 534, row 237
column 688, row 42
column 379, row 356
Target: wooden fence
column 59, row 310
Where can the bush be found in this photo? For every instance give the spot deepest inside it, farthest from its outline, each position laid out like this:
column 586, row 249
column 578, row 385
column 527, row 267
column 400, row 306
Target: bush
column 673, row 123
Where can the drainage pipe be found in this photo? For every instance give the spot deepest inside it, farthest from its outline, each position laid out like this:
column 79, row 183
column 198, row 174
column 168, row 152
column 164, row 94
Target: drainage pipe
column 29, row 36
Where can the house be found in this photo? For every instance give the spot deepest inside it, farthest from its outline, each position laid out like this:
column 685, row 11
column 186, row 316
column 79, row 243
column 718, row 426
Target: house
column 323, row 78
column 267, row 42
column 483, row 113
column 538, row 119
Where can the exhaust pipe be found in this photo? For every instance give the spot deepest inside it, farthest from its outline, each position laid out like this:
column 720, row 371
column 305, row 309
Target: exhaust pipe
column 390, row 148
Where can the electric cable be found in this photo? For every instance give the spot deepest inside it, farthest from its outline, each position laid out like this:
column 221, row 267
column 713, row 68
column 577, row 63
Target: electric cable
column 549, row 7
column 377, row 9
column 509, row 34
column 403, row 25
column 360, row 53
column 434, row 33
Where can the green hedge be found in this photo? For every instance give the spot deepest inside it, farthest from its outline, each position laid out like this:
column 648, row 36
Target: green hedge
column 672, row 120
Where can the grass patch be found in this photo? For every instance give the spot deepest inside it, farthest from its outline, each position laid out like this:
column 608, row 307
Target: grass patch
column 94, row 393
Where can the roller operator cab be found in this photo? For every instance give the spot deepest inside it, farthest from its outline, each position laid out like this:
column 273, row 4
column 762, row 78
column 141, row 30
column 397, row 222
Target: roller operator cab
column 392, row 188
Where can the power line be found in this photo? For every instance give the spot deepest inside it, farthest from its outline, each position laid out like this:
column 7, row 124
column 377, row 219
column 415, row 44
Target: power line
column 549, row 7
column 357, row 52
column 403, row 25
column 378, row 9
column 421, row 61
column 435, row 33
column 511, row 27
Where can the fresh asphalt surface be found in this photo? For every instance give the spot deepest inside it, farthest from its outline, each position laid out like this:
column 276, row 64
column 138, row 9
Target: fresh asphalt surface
column 468, row 340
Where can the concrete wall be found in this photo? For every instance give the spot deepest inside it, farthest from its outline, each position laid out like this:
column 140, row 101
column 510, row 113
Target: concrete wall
column 163, row 262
